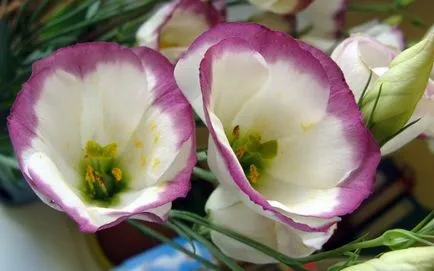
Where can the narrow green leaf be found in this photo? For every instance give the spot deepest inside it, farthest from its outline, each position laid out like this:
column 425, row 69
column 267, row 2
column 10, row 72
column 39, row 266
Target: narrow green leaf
column 38, row 11
column 93, row 9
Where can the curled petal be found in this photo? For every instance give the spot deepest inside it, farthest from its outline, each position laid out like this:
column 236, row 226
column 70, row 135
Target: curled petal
column 85, row 93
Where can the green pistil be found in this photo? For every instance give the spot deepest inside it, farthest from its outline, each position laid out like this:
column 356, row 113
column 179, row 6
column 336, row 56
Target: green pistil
column 253, row 155
column 102, row 173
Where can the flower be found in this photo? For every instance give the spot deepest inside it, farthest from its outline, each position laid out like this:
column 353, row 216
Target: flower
column 359, row 55
column 225, row 209
column 176, row 24
column 386, row 34
column 102, row 133
column 281, row 6
column 286, row 134
column 321, row 23
column 410, row 259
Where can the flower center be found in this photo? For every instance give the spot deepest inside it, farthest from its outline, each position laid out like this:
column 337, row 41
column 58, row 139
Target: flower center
column 102, row 172
column 253, row 155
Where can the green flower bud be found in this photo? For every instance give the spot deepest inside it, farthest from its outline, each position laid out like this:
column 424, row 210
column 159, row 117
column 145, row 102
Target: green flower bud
column 389, row 104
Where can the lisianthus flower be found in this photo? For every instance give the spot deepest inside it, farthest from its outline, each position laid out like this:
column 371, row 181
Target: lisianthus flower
column 410, row 259
column 281, row 6
column 176, row 24
column 102, row 133
column 224, row 208
column 358, row 57
column 386, row 34
column 286, row 133
column 321, row 23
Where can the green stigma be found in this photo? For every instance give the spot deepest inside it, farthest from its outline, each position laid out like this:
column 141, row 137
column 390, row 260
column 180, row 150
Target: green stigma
column 102, row 173
column 253, row 155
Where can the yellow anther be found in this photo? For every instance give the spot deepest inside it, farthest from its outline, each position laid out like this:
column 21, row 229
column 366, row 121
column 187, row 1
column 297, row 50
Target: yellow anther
column 253, row 174
column 240, row 152
column 90, row 174
column 117, row 173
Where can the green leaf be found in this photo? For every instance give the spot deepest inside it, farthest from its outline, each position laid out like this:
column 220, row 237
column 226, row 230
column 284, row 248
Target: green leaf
column 92, row 10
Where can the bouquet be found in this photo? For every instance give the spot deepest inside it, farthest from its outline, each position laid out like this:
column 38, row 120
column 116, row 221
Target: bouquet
column 103, row 98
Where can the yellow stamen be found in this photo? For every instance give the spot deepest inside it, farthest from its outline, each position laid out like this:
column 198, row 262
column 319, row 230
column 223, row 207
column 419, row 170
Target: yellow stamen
column 240, row 152
column 117, row 173
column 90, row 174
column 253, row 174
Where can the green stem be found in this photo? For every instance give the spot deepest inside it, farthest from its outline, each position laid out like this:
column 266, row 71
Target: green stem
column 215, row 251
column 341, row 250
column 148, row 231
column 187, row 216
column 204, row 175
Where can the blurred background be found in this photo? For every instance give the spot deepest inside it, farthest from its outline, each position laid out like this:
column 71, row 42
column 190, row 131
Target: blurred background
column 36, row 237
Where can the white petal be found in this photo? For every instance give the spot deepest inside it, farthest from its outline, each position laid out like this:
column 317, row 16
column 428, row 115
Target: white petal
column 114, row 99
column 301, row 159
column 230, row 89
column 299, row 98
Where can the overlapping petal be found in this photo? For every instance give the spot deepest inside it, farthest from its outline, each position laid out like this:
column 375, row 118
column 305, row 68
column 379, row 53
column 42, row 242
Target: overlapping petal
column 225, row 209
column 176, row 24
column 105, row 93
column 267, row 83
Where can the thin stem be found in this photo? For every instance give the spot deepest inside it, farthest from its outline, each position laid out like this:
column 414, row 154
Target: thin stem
column 148, row 231
column 204, row 175
column 215, row 251
column 365, row 89
column 339, row 251
column 187, row 216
